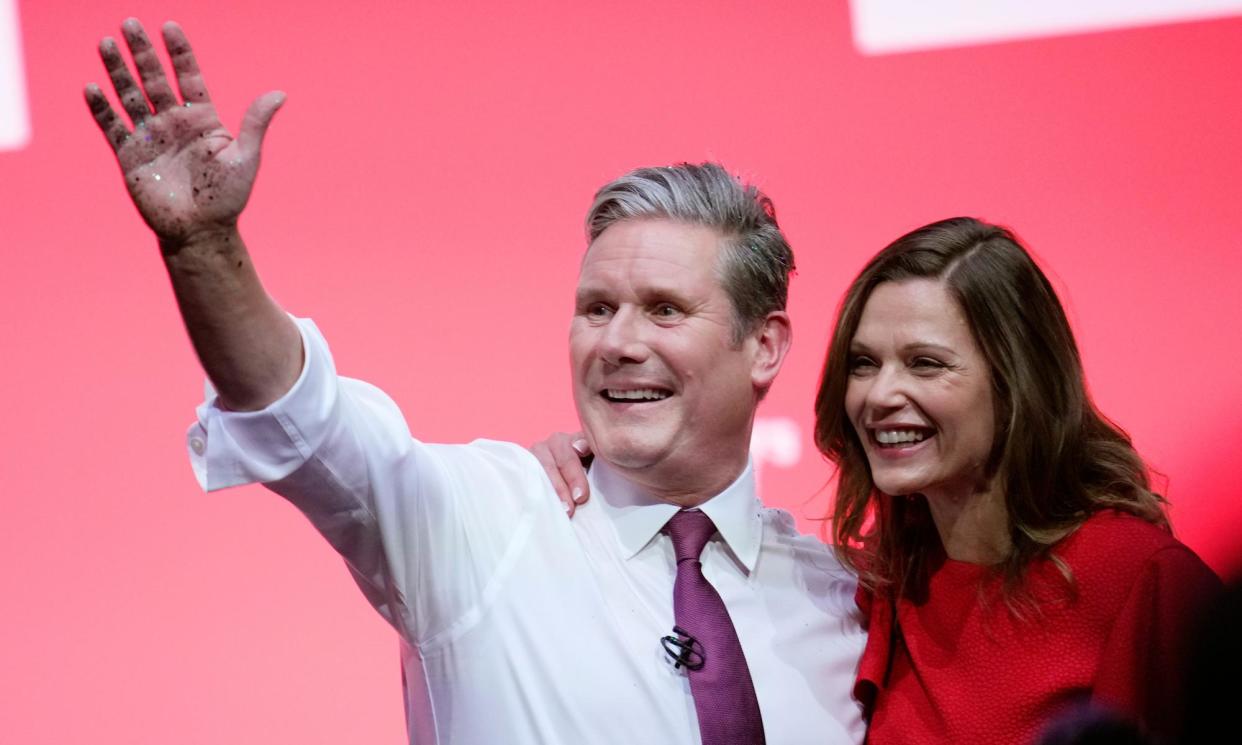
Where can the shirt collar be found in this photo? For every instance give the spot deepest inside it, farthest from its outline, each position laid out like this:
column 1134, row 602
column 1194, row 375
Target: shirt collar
column 638, row 516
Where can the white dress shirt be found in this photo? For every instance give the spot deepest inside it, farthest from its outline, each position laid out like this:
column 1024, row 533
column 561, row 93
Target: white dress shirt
column 519, row 625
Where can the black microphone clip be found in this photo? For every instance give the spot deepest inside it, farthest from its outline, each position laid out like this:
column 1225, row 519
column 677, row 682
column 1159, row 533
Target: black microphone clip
column 683, row 649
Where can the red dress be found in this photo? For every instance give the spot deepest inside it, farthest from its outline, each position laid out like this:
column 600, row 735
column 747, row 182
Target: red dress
column 969, row 672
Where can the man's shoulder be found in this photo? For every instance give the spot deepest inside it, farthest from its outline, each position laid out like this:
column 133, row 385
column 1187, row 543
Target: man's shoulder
column 488, row 458
column 781, row 533
column 483, row 447
column 804, row 564
column 784, row 527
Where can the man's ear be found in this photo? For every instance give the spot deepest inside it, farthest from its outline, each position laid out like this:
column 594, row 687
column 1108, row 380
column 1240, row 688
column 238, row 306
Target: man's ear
column 771, row 340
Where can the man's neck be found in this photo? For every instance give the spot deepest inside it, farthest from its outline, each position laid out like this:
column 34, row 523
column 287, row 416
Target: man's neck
column 685, row 490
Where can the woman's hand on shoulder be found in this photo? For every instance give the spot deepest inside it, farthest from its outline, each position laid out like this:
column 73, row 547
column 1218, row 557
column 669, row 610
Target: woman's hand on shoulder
column 564, row 458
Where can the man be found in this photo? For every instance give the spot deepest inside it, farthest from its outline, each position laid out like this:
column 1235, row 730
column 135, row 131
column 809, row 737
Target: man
column 517, row 625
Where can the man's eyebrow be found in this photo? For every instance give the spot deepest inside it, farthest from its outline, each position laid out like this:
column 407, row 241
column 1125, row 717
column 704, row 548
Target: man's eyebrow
column 650, row 296
column 589, row 293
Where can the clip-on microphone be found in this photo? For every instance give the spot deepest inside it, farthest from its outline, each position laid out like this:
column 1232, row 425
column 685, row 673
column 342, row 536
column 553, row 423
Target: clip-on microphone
column 683, row 649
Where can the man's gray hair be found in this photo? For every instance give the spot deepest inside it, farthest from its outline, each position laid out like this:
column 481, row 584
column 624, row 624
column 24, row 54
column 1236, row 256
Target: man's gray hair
column 755, row 258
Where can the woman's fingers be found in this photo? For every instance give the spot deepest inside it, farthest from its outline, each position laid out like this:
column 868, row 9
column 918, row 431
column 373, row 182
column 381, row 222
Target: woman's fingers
column 568, row 452
column 543, row 454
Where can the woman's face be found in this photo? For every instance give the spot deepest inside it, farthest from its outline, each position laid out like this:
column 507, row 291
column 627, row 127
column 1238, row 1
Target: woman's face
column 919, row 393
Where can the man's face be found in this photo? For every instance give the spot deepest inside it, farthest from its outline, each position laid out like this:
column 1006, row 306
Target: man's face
column 662, row 391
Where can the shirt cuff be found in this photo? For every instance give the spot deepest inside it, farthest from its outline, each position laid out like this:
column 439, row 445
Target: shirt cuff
column 231, row 448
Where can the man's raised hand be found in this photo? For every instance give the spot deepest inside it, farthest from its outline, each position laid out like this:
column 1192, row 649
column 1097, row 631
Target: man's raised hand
column 190, row 181
column 186, row 174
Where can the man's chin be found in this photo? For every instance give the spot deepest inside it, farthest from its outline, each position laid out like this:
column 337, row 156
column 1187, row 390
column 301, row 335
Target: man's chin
column 627, row 454
column 627, row 460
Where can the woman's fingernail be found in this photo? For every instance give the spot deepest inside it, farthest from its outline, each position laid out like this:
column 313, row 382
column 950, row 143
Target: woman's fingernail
column 577, row 493
column 580, row 446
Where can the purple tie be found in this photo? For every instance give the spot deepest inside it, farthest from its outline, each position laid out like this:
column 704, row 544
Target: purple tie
column 724, row 695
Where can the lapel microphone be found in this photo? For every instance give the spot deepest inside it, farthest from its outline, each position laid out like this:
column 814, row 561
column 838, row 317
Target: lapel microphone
column 683, row 649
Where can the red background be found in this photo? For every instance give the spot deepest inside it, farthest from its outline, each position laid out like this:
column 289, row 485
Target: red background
column 421, row 198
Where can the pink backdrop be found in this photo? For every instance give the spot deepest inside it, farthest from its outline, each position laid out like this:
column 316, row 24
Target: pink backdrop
column 421, row 198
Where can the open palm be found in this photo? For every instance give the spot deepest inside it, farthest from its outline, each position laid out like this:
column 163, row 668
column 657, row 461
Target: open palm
column 185, row 171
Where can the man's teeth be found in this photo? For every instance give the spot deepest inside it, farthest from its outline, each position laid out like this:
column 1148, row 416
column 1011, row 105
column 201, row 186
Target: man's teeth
column 895, row 436
column 642, row 394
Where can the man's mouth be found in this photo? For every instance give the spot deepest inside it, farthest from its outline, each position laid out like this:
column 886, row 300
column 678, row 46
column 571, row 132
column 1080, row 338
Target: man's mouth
column 900, row 437
column 635, row 395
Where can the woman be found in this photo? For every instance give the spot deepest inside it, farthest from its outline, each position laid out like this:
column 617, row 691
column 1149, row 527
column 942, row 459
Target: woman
column 1012, row 555
column 1013, row 560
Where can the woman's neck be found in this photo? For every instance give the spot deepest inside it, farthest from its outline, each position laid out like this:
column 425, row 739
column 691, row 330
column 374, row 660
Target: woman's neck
column 973, row 524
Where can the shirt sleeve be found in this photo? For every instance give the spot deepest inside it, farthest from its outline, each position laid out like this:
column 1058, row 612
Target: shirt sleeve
column 1143, row 665
column 426, row 530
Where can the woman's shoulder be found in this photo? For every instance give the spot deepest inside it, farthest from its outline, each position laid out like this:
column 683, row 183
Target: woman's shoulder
column 1109, row 529
column 1119, row 544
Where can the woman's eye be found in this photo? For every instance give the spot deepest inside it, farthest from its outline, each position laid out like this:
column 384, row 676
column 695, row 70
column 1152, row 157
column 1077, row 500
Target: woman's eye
column 926, row 363
column 861, row 364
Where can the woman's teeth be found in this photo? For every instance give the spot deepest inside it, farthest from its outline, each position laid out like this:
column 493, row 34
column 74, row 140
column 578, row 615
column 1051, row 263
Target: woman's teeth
column 898, row 436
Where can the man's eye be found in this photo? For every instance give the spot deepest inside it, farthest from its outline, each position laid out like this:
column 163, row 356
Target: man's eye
column 598, row 310
column 667, row 310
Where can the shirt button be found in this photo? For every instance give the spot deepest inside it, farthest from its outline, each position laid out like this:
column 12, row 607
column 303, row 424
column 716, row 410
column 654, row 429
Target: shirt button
column 197, row 445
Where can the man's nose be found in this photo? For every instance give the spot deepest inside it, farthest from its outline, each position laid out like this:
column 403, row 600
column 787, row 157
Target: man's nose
column 624, row 340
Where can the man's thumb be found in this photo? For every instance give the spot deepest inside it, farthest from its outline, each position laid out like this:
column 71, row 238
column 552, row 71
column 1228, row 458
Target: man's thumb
column 254, row 124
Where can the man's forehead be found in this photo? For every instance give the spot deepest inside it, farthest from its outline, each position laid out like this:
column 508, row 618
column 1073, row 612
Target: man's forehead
column 653, row 243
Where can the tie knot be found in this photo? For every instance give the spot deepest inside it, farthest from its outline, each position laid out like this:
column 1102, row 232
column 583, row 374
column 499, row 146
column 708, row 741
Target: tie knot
column 690, row 531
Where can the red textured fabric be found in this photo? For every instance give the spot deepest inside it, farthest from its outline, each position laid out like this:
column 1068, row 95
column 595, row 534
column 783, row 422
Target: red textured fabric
column 969, row 672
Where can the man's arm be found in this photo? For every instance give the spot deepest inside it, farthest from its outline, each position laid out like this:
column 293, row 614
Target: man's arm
column 190, row 180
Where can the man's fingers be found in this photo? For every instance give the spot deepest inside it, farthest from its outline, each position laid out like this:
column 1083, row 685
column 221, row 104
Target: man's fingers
column 149, row 68
column 109, row 123
column 130, row 95
column 254, row 124
column 189, row 79
column 544, row 456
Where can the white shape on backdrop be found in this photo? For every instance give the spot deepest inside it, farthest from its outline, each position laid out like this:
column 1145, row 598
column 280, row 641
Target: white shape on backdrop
column 887, row 26
column 14, row 119
column 775, row 441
